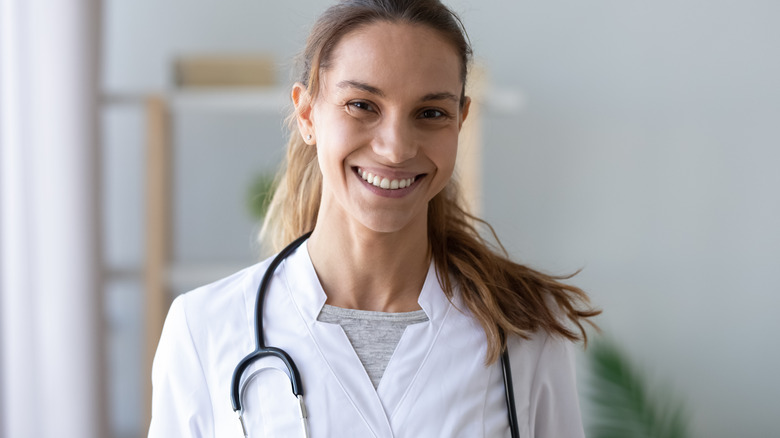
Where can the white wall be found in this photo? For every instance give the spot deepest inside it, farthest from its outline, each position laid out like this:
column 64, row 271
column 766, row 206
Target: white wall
column 646, row 154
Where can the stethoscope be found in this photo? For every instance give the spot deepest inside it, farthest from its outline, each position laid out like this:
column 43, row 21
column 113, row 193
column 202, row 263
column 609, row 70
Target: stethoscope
column 261, row 351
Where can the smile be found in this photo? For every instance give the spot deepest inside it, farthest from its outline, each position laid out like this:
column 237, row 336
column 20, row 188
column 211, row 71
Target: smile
column 385, row 183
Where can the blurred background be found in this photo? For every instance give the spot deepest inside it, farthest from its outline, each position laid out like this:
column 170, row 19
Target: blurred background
column 639, row 141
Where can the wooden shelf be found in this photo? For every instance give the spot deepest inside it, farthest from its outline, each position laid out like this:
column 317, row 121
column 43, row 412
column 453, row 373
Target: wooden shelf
column 273, row 100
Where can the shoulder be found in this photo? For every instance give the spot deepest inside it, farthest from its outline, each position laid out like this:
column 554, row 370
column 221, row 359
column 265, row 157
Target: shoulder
column 226, row 288
column 207, row 331
column 213, row 320
column 541, row 349
column 545, row 384
column 222, row 298
column 541, row 360
column 195, row 314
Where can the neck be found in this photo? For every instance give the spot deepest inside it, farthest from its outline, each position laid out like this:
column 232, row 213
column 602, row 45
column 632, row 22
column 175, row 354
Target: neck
column 367, row 270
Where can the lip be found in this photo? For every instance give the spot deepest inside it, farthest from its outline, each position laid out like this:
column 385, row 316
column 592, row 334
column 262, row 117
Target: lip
column 397, row 193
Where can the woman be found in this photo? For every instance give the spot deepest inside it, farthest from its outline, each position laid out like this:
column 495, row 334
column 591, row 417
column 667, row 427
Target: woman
column 394, row 310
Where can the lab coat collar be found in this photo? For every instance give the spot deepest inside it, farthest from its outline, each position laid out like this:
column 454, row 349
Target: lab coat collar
column 310, row 297
column 375, row 407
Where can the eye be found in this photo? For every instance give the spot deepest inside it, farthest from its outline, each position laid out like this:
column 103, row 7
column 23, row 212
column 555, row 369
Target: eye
column 432, row 114
column 361, row 105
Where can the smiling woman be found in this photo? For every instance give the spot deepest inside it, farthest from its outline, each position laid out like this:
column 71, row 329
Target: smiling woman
column 398, row 124
column 398, row 316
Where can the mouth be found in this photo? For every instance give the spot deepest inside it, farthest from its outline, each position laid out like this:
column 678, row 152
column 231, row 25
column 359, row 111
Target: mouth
column 384, row 182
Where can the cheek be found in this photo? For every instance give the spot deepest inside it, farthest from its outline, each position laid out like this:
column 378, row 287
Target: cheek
column 337, row 140
column 334, row 147
column 444, row 153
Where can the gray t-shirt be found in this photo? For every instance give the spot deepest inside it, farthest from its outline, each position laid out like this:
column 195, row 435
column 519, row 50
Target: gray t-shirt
column 374, row 335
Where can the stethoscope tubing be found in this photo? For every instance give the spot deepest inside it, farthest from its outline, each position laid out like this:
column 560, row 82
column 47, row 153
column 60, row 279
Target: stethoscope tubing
column 261, row 350
column 509, row 392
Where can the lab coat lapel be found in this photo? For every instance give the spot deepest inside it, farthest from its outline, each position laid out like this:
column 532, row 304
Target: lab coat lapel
column 334, row 346
column 415, row 345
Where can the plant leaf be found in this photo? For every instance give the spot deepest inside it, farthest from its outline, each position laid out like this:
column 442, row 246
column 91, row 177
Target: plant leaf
column 625, row 404
column 259, row 194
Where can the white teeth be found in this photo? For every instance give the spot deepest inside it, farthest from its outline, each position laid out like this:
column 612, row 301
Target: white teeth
column 385, row 183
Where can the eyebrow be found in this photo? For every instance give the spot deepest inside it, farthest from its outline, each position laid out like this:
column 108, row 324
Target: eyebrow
column 374, row 90
column 441, row 96
column 360, row 86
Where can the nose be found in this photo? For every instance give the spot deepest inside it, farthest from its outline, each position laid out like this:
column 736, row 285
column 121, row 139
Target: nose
column 395, row 140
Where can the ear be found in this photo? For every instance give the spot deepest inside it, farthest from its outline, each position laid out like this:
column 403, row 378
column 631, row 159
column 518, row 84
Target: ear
column 303, row 113
column 464, row 111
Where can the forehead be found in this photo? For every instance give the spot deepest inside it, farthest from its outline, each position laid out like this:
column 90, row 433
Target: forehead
column 396, row 58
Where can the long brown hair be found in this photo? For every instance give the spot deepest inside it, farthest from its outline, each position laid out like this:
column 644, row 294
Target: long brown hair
column 505, row 297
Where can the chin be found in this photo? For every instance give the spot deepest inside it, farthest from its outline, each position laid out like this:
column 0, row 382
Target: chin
column 387, row 222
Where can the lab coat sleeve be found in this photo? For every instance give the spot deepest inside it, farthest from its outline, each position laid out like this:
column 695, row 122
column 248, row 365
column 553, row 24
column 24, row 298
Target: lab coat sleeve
column 181, row 405
column 555, row 401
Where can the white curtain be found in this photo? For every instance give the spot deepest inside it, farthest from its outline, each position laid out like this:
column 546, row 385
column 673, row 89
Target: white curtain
column 50, row 343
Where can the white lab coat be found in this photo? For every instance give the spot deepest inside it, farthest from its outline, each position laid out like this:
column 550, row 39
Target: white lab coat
column 435, row 385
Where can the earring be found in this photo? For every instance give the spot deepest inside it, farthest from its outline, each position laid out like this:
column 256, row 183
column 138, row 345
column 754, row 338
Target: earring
column 308, row 137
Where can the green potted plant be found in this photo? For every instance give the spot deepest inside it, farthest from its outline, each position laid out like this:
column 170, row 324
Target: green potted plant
column 625, row 404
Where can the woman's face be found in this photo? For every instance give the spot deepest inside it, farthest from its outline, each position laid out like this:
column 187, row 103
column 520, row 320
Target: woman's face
column 385, row 124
